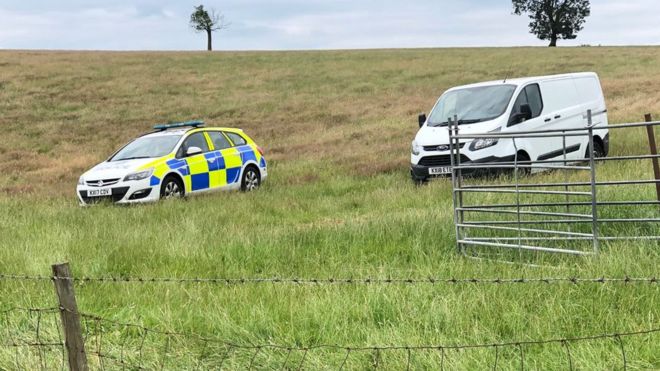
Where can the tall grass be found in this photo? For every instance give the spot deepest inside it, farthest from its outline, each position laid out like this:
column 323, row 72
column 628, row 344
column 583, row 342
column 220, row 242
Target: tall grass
column 336, row 127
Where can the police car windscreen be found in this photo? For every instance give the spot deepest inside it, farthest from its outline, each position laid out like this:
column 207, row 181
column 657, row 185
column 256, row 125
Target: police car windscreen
column 147, row 147
column 472, row 105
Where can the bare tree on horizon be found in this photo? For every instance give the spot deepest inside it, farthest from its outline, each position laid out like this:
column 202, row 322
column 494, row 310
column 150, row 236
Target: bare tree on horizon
column 554, row 19
column 203, row 21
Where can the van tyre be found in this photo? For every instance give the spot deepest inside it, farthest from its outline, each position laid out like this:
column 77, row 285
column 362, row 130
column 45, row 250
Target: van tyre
column 525, row 169
column 172, row 187
column 251, row 179
column 599, row 150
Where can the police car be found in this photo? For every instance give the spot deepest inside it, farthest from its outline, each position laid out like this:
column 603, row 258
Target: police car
column 176, row 160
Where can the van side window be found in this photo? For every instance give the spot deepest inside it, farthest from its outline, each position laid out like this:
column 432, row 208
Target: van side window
column 531, row 95
column 534, row 99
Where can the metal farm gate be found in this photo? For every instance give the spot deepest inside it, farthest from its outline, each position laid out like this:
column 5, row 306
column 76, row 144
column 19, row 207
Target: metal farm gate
column 566, row 205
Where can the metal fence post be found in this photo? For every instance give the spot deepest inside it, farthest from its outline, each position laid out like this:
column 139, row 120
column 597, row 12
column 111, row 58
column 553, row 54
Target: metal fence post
column 592, row 166
column 73, row 340
column 453, row 149
column 461, row 214
column 654, row 151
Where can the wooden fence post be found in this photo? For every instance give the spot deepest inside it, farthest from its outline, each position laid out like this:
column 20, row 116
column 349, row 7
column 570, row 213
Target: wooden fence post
column 75, row 346
column 654, row 151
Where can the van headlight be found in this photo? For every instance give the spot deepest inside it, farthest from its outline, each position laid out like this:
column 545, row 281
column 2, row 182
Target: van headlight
column 481, row 143
column 415, row 148
column 81, row 181
column 139, row 175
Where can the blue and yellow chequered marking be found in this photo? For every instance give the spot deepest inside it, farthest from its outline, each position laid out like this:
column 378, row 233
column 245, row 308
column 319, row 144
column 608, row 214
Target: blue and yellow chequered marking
column 210, row 170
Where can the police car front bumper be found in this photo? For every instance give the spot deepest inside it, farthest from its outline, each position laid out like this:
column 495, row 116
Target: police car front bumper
column 122, row 192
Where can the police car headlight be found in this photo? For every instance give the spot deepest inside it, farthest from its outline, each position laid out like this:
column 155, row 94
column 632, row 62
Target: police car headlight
column 139, row 175
column 415, row 149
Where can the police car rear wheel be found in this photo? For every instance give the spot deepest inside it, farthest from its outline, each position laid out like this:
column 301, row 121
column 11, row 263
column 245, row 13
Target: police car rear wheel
column 251, row 179
column 171, row 188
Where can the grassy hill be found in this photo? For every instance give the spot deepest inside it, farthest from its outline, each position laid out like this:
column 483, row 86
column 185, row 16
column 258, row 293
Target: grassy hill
column 336, row 127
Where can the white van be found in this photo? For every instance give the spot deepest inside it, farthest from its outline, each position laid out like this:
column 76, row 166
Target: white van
column 526, row 104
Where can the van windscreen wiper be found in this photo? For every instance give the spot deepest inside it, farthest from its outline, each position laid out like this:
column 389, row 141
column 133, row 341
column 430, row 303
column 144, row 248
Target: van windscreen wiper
column 460, row 122
column 465, row 122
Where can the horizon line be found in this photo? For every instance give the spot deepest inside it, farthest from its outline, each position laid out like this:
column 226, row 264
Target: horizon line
column 324, row 49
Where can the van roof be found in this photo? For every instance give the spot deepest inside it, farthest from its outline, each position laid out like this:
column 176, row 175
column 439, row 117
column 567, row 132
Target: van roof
column 526, row 80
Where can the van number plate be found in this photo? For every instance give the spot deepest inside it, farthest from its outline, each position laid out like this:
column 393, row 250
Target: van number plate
column 440, row 170
column 99, row 192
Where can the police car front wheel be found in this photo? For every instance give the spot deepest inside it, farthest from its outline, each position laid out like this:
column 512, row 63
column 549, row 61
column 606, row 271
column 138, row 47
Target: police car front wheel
column 251, row 179
column 171, row 188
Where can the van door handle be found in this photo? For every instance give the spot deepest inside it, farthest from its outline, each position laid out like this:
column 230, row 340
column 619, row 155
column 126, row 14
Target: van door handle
column 557, row 117
column 548, row 119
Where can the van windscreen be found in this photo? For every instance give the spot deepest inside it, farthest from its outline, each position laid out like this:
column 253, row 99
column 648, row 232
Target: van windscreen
column 472, row 105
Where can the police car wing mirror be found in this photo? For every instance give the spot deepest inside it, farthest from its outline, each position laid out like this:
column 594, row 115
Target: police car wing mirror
column 193, row 151
column 421, row 119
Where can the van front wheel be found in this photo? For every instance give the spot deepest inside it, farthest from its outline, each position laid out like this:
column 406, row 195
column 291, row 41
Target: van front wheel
column 599, row 151
column 525, row 168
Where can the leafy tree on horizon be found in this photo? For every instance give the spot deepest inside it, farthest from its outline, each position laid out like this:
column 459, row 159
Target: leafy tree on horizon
column 554, row 19
column 203, row 21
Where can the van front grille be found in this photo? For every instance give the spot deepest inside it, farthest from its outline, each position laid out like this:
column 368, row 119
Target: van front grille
column 440, row 160
column 441, row 147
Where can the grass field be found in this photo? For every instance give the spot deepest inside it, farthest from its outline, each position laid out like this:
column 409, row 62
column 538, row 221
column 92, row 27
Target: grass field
column 336, row 127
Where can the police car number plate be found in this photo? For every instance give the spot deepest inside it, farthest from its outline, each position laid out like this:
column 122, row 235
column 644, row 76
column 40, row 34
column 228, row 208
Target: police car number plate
column 440, row 170
column 99, row 192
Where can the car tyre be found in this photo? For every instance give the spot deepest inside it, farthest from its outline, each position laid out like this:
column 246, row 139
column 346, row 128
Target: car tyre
column 251, row 179
column 172, row 187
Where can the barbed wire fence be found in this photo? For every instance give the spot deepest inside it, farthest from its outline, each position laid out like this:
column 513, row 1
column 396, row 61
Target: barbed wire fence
column 112, row 344
column 36, row 341
column 343, row 281
column 41, row 338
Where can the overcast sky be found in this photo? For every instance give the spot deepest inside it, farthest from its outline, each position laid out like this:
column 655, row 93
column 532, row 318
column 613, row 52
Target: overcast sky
column 305, row 24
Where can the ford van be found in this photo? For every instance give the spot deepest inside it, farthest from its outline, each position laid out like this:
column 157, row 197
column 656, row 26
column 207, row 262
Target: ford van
column 525, row 104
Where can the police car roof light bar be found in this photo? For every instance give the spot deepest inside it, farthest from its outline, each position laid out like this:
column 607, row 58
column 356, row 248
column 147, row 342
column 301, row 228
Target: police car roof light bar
column 194, row 124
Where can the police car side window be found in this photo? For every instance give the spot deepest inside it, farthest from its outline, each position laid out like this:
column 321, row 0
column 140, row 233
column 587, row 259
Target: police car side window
column 220, row 142
column 195, row 140
column 237, row 139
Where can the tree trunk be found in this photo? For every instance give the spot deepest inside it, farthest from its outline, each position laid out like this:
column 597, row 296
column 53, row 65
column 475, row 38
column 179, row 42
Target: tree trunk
column 553, row 41
column 210, row 42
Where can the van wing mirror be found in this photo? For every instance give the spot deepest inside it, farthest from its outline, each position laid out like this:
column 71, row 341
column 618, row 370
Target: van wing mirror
column 526, row 111
column 522, row 116
column 421, row 119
